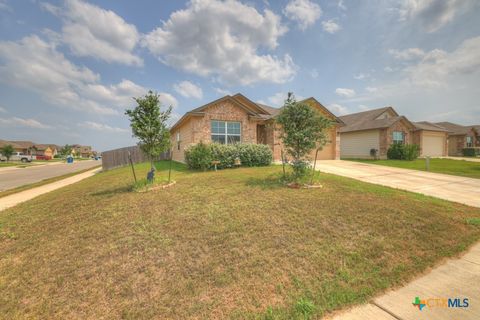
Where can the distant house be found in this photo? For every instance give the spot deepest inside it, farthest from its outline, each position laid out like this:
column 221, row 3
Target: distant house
column 25, row 147
column 55, row 149
column 460, row 137
column 82, row 151
column 43, row 150
column 378, row 129
column 233, row 119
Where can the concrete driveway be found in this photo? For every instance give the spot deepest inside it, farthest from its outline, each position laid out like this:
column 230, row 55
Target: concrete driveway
column 448, row 187
column 15, row 177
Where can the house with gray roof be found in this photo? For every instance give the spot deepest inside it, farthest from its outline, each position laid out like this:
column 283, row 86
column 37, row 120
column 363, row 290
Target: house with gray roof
column 460, row 137
column 378, row 129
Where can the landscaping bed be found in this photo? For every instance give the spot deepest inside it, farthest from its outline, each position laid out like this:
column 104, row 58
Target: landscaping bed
column 447, row 166
column 227, row 244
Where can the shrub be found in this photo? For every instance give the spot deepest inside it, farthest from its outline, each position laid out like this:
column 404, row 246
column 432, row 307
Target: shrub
column 411, row 152
column 395, row 151
column 468, row 152
column 201, row 155
column 254, row 155
column 403, row 151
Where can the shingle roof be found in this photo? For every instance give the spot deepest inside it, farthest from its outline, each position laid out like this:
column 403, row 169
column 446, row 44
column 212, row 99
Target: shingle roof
column 453, row 128
column 17, row 144
column 425, row 125
column 366, row 120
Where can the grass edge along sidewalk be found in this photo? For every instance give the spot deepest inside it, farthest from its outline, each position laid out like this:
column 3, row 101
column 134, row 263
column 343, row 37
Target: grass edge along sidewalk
column 454, row 167
column 43, row 182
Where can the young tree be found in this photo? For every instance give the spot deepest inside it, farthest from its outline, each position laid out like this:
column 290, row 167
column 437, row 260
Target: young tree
column 303, row 130
column 7, row 151
column 66, row 150
column 149, row 125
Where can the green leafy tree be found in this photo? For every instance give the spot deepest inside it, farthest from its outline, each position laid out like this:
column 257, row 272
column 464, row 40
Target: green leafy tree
column 7, row 151
column 66, row 150
column 149, row 125
column 303, row 129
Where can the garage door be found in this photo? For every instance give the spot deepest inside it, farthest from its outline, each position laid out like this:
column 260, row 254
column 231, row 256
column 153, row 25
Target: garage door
column 432, row 145
column 328, row 151
column 358, row 144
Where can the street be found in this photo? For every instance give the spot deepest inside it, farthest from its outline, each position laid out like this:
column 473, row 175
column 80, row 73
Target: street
column 12, row 178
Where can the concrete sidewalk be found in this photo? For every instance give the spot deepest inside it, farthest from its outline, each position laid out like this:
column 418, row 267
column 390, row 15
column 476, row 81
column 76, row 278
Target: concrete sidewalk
column 453, row 188
column 459, row 278
column 16, row 198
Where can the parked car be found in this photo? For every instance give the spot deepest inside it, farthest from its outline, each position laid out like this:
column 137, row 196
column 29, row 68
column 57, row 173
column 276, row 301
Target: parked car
column 18, row 156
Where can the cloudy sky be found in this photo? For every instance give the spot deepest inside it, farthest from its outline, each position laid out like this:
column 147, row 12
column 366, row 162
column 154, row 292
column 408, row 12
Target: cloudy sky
column 68, row 69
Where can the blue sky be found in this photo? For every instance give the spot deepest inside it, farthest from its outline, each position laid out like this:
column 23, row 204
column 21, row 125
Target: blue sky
column 68, row 69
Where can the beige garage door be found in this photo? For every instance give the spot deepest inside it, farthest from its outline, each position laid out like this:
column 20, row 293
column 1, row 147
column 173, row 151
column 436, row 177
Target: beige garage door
column 328, row 151
column 432, row 145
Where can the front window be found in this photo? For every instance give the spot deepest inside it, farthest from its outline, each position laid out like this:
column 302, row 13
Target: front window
column 398, row 137
column 469, row 142
column 178, row 140
column 226, row 132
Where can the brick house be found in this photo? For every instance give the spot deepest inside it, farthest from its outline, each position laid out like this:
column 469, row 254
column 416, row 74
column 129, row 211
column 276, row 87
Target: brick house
column 236, row 118
column 43, row 150
column 380, row 128
column 460, row 137
column 25, row 147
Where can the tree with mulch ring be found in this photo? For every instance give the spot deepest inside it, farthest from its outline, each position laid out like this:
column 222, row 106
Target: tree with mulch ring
column 303, row 129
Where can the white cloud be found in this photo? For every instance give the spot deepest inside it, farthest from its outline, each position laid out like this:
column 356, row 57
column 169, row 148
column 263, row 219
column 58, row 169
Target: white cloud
column 221, row 39
column 222, row 92
column 3, row 110
column 407, row 54
column 437, row 65
column 31, row 123
column 101, row 127
column 363, row 107
column 433, row 14
column 344, row 92
column 303, row 12
column 92, row 31
column 188, row 90
column 167, row 100
column 371, row 89
column 279, row 98
column 4, row 5
column 330, row 26
column 361, row 76
column 337, row 109
column 314, row 73
column 341, row 5
column 36, row 65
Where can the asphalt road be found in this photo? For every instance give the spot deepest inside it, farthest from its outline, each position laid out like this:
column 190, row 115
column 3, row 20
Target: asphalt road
column 16, row 177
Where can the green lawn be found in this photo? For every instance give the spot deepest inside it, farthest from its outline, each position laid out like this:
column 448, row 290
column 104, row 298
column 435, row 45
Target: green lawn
column 454, row 167
column 232, row 244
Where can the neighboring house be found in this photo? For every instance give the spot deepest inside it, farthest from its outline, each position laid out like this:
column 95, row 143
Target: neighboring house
column 236, row 118
column 460, row 137
column 25, row 147
column 82, row 151
column 55, row 149
column 43, row 150
column 379, row 128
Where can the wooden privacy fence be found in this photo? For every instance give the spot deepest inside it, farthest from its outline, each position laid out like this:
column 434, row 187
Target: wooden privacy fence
column 119, row 157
